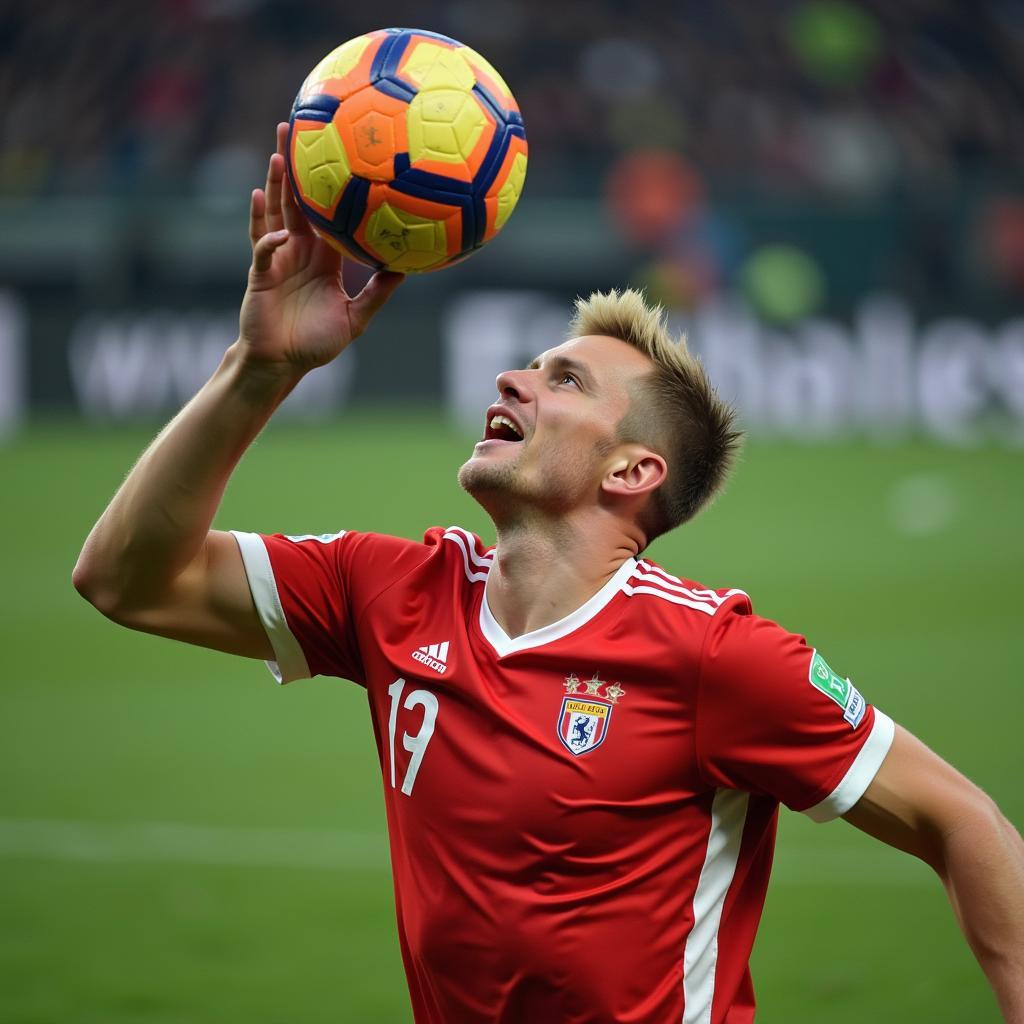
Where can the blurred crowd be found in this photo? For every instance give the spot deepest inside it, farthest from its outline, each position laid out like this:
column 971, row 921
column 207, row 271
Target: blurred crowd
column 659, row 105
column 830, row 95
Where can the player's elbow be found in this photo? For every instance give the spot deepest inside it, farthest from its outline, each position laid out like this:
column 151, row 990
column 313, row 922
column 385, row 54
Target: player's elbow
column 972, row 818
column 975, row 811
column 97, row 589
column 987, row 821
column 86, row 583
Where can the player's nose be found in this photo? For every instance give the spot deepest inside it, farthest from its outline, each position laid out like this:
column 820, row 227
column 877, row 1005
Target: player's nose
column 515, row 384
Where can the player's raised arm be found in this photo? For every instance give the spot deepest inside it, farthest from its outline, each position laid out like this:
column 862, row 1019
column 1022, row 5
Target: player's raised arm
column 151, row 561
column 920, row 804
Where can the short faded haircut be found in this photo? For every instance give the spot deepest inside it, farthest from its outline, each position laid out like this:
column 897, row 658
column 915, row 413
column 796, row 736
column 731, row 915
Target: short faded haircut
column 675, row 411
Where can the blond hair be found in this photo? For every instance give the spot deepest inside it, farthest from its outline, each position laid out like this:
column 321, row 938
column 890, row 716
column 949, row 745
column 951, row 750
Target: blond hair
column 676, row 412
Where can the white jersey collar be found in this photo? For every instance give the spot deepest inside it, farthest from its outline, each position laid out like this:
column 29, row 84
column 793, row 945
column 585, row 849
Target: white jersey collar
column 503, row 644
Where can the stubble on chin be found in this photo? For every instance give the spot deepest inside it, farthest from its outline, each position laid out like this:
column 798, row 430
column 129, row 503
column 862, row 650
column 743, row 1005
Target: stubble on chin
column 508, row 494
column 478, row 478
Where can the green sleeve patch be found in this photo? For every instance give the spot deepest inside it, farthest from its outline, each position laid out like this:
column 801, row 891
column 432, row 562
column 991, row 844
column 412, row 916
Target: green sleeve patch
column 841, row 690
column 828, row 682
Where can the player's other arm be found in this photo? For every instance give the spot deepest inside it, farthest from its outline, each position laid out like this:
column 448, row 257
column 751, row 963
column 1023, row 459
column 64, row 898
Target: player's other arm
column 920, row 804
column 151, row 562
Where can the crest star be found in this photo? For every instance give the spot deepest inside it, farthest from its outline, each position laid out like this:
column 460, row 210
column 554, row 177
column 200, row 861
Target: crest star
column 614, row 692
column 572, row 684
column 594, row 686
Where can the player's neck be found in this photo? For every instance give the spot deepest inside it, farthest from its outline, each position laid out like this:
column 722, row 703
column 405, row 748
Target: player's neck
column 540, row 576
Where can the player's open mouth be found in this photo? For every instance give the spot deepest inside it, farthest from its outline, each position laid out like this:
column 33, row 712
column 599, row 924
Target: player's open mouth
column 501, row 428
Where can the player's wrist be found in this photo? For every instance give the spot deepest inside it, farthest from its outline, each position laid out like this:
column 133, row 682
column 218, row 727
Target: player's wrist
column 259, row 380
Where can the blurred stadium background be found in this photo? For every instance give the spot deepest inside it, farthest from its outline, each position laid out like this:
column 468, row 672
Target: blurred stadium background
column 828, row 195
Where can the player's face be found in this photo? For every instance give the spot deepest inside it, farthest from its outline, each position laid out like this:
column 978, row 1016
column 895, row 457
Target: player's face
column 548, row 440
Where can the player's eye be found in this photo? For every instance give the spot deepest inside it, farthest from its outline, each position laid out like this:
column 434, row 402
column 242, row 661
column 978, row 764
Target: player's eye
column 568, row 378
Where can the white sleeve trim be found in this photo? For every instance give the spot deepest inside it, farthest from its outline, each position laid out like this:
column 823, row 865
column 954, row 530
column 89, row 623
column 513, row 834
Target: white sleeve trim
column 291, row 662
column 857, row 779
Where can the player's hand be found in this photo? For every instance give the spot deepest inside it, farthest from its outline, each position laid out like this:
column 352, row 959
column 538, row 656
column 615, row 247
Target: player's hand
column 296, row 314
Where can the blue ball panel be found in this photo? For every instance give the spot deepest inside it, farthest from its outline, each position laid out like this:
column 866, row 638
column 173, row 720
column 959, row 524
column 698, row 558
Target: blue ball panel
column 389, row 55
column 430, row 35
column 492, row 161
column 429, row 184
column 351, row 208
column 412, row 185
column 316, row 108
column 393, row 87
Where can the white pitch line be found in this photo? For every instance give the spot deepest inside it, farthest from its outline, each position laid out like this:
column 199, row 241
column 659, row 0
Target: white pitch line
column 152, row 842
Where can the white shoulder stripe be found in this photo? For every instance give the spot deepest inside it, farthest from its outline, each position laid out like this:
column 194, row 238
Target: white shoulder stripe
column 470, row 540
column 468, row 551
column 654, row 574
column 651, row 567
column 695, row 595
column 700, row 606
column 695, row 599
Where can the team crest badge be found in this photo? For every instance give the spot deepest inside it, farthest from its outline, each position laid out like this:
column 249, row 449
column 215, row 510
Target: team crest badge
column 586, row 713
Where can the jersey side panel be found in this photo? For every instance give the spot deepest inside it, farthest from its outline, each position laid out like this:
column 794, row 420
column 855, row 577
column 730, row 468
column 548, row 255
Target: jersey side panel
column 733, row 997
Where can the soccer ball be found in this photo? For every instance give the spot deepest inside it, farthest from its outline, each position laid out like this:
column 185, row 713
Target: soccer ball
column 406, row 150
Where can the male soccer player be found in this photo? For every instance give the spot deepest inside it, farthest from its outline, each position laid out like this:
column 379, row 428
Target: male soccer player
column 582, row 754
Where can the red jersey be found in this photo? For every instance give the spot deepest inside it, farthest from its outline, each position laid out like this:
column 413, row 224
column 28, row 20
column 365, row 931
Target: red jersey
column 581, row 818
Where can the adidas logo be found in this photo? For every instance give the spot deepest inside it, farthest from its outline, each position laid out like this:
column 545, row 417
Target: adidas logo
column 434, row 656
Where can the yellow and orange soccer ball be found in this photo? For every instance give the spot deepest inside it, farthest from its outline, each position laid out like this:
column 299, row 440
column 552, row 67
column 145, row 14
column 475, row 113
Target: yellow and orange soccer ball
column 406, row 150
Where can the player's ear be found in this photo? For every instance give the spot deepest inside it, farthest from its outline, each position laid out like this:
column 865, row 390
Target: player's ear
column 634, row 471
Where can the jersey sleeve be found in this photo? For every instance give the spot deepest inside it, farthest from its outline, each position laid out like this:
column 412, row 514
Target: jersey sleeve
column 774, row 719
column 310, row 591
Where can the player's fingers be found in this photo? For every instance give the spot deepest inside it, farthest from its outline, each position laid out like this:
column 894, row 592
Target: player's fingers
column 291, row 216
column 377, row 291
column 257, row 216
column 266, row 184
column 294, row 219
column 275, row 178
column 263, row 252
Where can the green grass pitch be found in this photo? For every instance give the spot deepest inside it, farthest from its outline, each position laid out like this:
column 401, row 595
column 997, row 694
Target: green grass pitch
column 182, row 841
